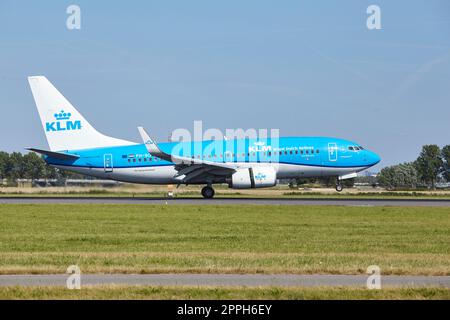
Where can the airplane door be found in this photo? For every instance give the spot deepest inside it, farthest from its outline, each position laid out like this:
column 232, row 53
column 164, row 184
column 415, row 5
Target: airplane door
column 332, row 151
column 108, row 162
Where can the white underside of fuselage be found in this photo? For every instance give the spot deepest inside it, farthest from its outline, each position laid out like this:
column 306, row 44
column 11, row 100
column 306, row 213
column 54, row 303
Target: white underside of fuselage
column 166, row 174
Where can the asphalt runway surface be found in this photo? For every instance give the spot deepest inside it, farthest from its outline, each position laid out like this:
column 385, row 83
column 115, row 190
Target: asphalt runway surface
column 226, row 201
column 283, row 280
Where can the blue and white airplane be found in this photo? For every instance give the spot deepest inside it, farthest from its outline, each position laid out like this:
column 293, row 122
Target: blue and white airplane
column 75, row 145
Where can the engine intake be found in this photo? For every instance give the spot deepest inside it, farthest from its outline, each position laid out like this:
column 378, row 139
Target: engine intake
column 254, row 177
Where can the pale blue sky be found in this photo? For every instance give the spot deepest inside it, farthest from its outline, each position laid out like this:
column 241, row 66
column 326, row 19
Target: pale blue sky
column 306, row 67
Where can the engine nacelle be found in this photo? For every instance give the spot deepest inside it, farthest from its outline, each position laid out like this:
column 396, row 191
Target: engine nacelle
column 257, row 177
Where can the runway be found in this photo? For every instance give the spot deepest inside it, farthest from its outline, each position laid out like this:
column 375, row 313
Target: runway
column 283, row 280
column 228, row 201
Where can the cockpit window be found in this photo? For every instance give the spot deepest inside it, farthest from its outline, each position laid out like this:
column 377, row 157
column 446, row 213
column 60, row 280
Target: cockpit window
column 361, row 148
column 350, row 148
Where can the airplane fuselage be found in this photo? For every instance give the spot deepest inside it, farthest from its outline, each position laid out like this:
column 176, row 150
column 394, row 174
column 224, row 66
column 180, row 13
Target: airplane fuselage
column 291, row 157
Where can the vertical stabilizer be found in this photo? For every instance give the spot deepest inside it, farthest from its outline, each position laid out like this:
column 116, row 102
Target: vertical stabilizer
column 65, row 128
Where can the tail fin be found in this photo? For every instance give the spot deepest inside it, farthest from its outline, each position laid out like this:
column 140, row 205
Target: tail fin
column 65, row 128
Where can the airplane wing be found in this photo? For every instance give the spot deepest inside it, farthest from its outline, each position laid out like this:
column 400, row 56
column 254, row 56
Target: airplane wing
column 188, row 169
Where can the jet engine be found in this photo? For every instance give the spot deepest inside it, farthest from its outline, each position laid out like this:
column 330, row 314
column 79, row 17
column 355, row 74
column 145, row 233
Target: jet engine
column 254, row 177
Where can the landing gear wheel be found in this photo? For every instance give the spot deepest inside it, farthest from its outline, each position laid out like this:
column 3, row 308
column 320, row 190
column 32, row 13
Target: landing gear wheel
column 339, row 186
column 208, row 192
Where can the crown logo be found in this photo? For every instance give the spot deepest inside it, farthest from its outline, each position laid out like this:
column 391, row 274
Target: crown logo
column 62, row 115
column 260, row 176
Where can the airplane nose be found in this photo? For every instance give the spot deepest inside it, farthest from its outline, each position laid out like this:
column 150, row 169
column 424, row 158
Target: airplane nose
column 374, row 158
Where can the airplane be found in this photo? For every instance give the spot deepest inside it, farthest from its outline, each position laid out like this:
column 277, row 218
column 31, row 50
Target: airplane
column 75, row 145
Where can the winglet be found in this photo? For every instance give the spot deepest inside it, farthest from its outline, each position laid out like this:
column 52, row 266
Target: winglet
column 151, row 146
column 149, row 143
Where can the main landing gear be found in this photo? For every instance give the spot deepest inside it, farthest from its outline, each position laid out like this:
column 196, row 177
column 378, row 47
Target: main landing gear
column 208, row 192
column 339, row 186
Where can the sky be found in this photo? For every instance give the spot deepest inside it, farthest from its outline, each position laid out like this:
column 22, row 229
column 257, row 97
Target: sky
column 308, row 68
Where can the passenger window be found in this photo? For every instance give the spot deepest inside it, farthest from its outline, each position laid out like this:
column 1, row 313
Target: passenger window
column 134, row 160
column 317, row 151
column 307, row 151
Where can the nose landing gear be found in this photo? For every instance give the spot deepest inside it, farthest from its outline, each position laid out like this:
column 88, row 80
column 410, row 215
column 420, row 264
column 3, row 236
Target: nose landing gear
column 208, row 192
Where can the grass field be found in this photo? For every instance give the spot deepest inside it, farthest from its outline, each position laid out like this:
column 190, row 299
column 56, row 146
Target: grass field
column 224, row 239
column 143, row 292
column 282, row 191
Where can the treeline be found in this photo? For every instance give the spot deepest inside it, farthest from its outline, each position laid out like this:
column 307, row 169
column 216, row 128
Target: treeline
column 432, row 166
column 15, row 165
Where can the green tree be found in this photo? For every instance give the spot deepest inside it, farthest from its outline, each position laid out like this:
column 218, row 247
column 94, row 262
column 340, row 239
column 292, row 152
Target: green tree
column 51, row 172
column 386, row 177
column 328, row 181
column 445, row 154
column 16, row 169
column 4, row 159
column 399, row 176
column 303, row 181
column 33, row 166
column 429, row 165
column 349, row 183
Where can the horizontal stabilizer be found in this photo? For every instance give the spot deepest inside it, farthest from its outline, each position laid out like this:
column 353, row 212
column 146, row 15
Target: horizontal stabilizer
column 56, row 155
